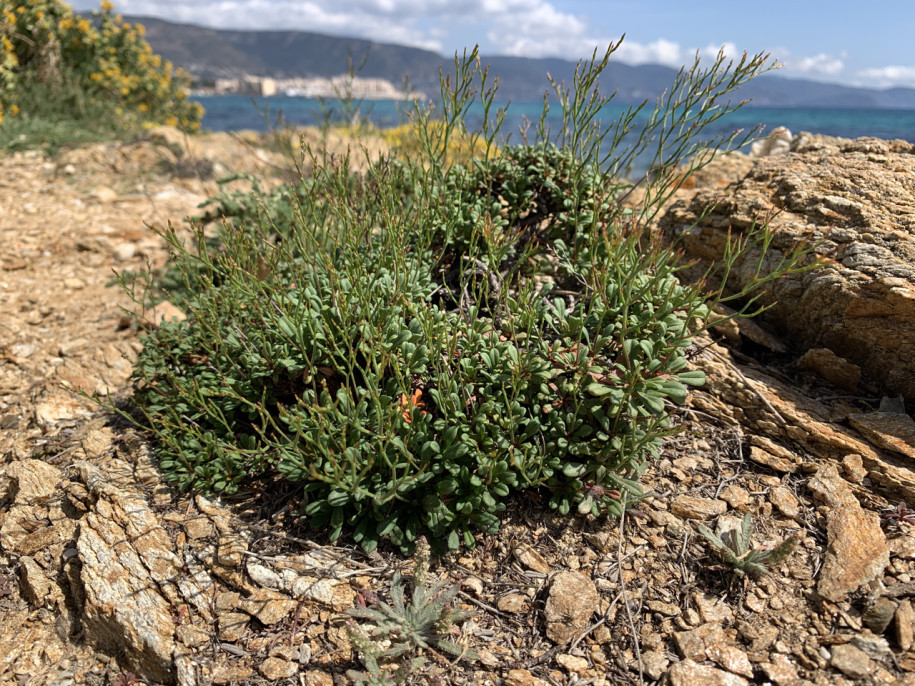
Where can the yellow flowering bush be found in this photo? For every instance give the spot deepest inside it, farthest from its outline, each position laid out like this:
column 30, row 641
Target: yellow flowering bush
column 99, row 61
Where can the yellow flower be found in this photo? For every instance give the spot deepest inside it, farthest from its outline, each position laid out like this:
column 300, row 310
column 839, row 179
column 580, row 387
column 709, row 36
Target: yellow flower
column 107, row 6
column 14, row 110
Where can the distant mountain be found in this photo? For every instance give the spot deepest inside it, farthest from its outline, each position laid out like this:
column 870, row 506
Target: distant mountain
column 210, row 53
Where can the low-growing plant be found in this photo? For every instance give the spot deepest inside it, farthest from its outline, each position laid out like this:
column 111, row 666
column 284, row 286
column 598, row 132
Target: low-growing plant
column 414, row 344
column 423, row 621
column 734, row 547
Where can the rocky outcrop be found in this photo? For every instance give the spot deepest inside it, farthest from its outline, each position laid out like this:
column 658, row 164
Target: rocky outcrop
column 856, row 198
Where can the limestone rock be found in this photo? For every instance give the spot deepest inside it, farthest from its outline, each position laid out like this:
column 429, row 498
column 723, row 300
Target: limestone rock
column 334, row 593
column 890, row 430
column 232, row 625
column 692, row 507
column 656, row 663
column 857, row 551
column 851, row 661
column 690, row 673
column 522, row 677
column 904, row 625
column 571, row 602
column 131, row 577
column 785, row 501
column 40, row 590
column 513, row 603
column 268, row 606
column 831, row 367
column 31, row 481
column 854, row 196
column 780, row 671
column 532, row 559
column 879, row 615
column 274, row 668
column 123, row 608
column 809, row 423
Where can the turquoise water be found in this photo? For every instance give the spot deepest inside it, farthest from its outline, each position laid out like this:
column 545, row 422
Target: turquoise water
column 234, row 112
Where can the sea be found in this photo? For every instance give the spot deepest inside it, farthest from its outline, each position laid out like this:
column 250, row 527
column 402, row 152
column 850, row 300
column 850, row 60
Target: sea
column 236, row 112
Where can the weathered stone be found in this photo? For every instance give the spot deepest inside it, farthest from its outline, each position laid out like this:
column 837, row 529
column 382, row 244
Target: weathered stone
column 263, row 576
column 522, row 677
column 780, row 670
column 231, row 550
column 851, row 661
column 735, row 496
column 785, row 501
column 334, row 593
column 731, row 658
column 690, row 673
column 713, row 609
column 269, row 607
column 850, row 194
column 571, row 602
column 193, row 636
column 764, row 457
column 831, row 367
column 39, row 589
column 198, row 527
column 123, row 609
column 889, row 430
column 274, row 668
column 806, row 421
column 878, row 616
column 853, row 468
column 692, row 507
column 131, row 577
column 693, row 644
column 655, row 663
column 226, row 673
column 513, row 603
column 232, row 626
column 572, row 664
column 31, row 481
column 531, row 559
column 662, row 608
column 857, row 551
column 904, row 625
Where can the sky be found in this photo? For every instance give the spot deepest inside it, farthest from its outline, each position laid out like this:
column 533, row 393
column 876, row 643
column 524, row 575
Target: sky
column 838, row 41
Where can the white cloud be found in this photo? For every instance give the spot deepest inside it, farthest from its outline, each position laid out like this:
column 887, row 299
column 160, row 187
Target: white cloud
column 823, row 64
column 883, row 77
column 380, row 20
column 660, row 51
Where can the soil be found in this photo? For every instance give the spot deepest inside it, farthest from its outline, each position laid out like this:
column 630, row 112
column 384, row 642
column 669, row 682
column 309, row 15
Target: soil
column 661, row 605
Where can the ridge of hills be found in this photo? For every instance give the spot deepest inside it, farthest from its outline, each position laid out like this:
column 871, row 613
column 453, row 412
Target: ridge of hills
column 209, row 53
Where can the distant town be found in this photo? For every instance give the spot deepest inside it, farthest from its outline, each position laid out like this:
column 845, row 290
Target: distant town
column 304, row 87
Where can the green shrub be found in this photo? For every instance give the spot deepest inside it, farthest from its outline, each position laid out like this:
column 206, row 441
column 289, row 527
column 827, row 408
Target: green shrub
column 414, row 345
column 99, row 75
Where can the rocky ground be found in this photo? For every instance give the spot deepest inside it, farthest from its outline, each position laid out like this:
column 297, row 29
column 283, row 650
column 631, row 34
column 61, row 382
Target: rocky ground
column 109, row 577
